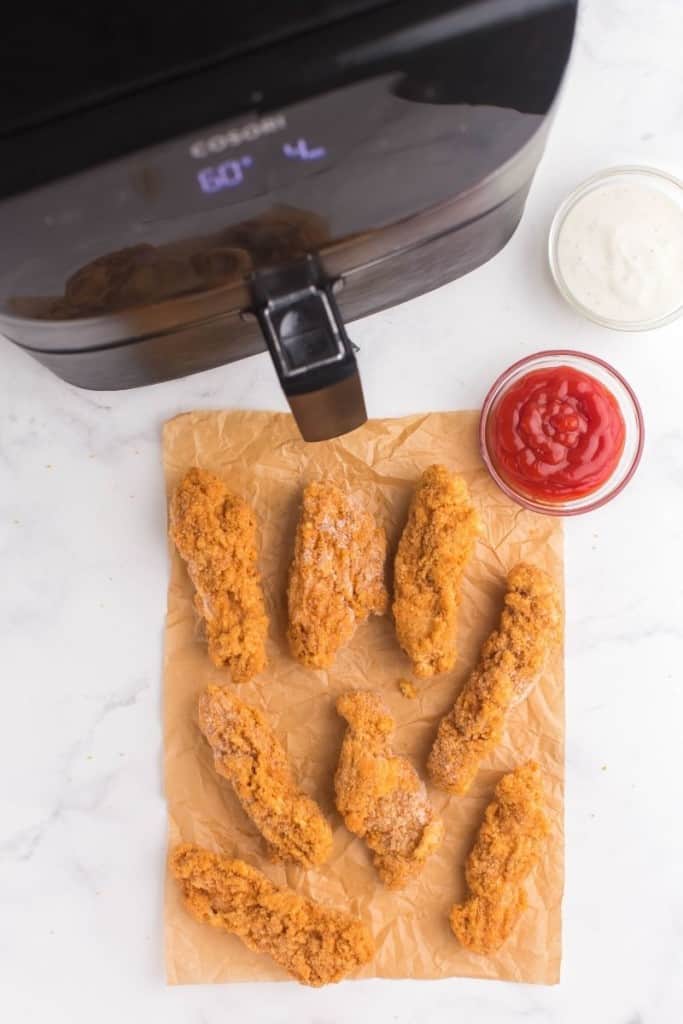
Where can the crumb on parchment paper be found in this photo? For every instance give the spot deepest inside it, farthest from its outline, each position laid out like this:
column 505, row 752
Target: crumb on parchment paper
column 407, row 689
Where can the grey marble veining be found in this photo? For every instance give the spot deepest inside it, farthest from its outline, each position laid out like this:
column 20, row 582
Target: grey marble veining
column 82, row 600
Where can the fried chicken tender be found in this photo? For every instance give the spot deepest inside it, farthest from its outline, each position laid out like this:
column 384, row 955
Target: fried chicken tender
column 249, row 755
column 336, row 579
column 436, row 544
column 380, row 795
column 510, row 663
column 315, row 944
column 215, row 533
column 508, row 846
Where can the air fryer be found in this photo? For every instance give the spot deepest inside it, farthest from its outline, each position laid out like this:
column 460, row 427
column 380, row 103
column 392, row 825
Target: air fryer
column 177, row 196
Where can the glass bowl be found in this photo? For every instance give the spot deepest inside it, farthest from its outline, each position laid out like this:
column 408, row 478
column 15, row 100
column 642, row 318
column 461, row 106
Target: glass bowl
column 628, row 405
column 662, row 182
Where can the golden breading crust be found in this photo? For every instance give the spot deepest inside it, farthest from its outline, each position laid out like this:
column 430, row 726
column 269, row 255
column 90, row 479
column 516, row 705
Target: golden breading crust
column 316, row 945
column 215, row 533
column 510, row 663
column 336, row 579
column 436, row 544
column 508, row 846
column 249, row 755
column 380, row 795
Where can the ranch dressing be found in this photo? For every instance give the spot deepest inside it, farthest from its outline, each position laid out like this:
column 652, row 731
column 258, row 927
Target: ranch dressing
column 620, row 252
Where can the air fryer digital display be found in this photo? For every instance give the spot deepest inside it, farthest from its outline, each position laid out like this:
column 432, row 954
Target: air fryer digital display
column 231, row 171
column 267, row 156
column 244, row 169
column 230, row 174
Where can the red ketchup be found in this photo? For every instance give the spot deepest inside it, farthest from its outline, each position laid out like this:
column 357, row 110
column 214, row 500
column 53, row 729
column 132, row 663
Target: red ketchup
column 556, row 434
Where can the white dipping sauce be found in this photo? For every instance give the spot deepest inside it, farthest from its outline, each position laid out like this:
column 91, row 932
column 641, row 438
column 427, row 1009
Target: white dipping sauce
column 620, row 252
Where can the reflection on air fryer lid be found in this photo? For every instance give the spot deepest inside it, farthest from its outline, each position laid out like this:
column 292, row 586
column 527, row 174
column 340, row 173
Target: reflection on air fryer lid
column 143, row 274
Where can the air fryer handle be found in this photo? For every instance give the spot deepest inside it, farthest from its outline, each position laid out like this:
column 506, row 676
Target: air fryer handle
column 313, row 356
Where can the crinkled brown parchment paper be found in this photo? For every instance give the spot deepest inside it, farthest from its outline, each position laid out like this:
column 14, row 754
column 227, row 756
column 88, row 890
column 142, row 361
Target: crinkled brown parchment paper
column 261, row 456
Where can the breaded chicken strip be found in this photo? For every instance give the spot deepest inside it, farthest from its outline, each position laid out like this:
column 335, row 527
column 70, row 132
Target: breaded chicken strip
column 215, row 533
column 249, row 755
column 508, row 846
column 510, row 663
column 336, row 579
column 436, row 544
column 380, row 795
column 316, row 945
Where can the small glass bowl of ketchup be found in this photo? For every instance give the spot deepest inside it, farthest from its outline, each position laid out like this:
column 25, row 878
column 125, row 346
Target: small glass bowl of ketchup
column 561, row 432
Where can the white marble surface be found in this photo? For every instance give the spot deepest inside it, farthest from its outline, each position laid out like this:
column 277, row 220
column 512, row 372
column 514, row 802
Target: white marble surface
column 83, row 572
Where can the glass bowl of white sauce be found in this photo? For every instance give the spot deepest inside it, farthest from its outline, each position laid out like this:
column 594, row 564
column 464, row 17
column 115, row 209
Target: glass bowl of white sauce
column 616, row 248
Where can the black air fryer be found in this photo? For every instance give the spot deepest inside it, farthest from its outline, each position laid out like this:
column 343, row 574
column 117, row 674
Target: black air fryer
column 178, row 194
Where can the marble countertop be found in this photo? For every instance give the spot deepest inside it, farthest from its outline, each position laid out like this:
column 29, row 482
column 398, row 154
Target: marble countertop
column 83, row 596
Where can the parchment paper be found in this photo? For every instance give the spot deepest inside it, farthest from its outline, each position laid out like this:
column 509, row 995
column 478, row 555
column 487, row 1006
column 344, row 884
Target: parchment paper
column 261, row 456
